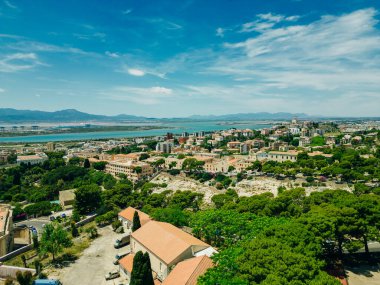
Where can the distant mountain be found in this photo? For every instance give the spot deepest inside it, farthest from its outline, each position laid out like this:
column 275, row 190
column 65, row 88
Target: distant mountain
column 8, row 115
column 253, row 116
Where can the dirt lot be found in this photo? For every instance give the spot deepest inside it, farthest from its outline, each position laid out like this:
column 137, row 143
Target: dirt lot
column 94, row 263
column 364, row 275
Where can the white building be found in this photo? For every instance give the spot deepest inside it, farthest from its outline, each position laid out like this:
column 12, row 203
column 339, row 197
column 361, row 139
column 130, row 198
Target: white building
column 32, row 159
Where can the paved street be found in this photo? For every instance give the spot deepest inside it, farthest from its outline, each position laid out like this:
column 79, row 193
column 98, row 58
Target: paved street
column 94, row 263
column 40, row 221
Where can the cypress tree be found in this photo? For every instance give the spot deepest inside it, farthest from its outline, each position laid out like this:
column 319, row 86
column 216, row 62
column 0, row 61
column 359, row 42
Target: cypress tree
column 136, row 275
column 141, row 272
column 86, row 163
column 147, row 270
column 136, row 222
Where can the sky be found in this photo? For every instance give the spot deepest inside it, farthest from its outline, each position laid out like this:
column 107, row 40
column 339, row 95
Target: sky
column 173, row 58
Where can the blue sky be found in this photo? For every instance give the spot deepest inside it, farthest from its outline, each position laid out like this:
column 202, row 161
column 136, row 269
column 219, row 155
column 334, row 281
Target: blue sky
column 177, row 58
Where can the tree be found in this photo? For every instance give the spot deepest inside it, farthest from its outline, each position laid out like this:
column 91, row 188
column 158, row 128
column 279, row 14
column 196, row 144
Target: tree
column 87, row 199
column 54, row 239
column 141, row 272
column 74, row 230
column 136, row 222
column 23, row 258
column 36, row 243
column 101, row 165
column 24, row 278
column 86, row 163
column 137, row 169
column 192, row 164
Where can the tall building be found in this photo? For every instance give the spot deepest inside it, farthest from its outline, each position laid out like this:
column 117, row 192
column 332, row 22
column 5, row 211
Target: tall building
column 50, row 146
column 165, row 147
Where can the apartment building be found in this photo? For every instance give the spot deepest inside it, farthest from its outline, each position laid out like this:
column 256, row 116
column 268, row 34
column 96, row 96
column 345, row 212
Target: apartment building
column 32, row 159
column 165, row 147
column 281, row 156
column 134, row 170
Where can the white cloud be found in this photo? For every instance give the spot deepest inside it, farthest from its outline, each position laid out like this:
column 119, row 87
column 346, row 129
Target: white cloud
column 126, row 12
column 33, row 46
column 2, row 90
column 220, row 32
column 136, row 72
column 321, row 55
column 139, row 95
column 112, row 54
column 10, row 5
column 266, row 21
column 18, row 62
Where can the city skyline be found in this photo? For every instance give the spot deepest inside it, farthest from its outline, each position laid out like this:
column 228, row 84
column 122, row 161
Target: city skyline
column 191, row 58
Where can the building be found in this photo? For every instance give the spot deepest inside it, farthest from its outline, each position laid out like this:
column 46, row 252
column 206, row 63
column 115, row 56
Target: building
column 126, row 218
column 216, row 165
column 32, row 159
column 50, row 146
column 187, row 272
column 281, row 156
column 167, row 246
column 304, row 141
column 165, row 147
column 134, row 170
column 67, row 198
column 244, row 147
column 6, row 230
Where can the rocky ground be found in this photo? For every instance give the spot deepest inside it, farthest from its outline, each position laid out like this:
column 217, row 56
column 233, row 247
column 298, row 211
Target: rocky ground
column 256, row 186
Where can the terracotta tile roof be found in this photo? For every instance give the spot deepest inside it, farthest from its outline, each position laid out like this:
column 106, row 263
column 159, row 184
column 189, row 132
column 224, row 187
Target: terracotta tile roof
column 129, row 212
column 127, row 262
column 188, row 271
column 157, row 282
column 166, row 241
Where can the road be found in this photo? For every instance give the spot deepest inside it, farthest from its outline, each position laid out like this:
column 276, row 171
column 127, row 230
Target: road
column 40, row 221
column 94, row 263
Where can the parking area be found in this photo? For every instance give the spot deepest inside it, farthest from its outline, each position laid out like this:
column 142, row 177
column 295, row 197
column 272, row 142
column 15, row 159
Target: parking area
column 95, row 262
column 39, row 222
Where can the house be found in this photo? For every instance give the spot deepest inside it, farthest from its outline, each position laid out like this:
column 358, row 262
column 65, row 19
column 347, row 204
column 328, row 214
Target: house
column 67, row 198
column 126, row 218
column 167, row 246
column 187, row 272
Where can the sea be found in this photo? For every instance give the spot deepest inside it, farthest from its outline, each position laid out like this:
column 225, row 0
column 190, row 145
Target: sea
column 175, row 128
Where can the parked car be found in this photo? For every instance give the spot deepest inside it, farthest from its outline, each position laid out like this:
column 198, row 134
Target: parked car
column 118, row 257
column 46, row 282
column 52, row 218
column 112, row 275
column 122, row 242
column 63, row 215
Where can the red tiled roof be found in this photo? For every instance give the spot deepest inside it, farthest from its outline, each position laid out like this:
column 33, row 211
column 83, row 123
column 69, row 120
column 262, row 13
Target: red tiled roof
column 188, row 271
column 129, row 212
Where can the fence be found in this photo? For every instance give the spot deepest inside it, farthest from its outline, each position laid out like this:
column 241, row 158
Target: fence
column 16, row 252
column 10, row 271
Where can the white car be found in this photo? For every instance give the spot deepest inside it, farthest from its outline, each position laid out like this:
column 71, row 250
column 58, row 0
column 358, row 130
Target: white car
column 112, row 275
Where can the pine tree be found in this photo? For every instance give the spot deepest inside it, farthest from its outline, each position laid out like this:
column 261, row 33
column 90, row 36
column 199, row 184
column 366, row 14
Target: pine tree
column 136, row 222
column 86, row 163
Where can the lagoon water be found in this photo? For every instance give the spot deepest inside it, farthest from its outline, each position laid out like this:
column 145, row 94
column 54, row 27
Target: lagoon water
column 176, row 128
